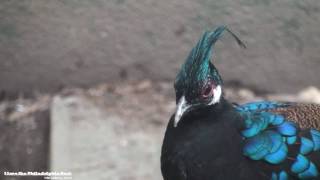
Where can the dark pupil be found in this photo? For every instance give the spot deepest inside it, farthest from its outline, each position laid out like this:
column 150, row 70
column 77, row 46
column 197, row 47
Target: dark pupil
column 207, row 90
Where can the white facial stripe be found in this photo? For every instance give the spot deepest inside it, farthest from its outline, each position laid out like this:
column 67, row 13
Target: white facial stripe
column 182, row 106
column 216, row 95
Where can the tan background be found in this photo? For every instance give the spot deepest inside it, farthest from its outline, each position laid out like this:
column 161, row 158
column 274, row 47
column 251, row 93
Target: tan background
column 47, row 45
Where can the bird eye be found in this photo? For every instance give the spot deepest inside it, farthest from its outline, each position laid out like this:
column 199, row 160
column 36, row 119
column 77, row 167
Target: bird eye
column 207, row 90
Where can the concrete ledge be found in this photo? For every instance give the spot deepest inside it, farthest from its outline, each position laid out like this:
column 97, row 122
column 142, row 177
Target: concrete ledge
column 60, row 136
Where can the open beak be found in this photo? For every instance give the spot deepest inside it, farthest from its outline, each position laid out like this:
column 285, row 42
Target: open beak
column 182, row 108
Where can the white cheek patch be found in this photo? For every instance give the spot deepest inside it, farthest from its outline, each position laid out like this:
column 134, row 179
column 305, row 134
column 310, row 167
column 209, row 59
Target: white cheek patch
column 217, row 92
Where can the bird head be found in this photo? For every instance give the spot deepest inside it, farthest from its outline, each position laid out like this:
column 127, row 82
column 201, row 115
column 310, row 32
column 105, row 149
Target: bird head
column 199, row 84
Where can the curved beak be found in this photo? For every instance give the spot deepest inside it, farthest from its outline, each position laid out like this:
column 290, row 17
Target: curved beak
column 182, row 107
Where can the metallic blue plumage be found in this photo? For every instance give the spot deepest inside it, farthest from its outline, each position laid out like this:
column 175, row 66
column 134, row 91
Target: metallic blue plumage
column 276, row 140
column 282, row 176
column 300, row 165
column 257, row 147
column 254, row 106
column 254, row 123
column 263, row 143
column 278, row 156
column 316, row 139
column 287, row 129
column 306, row 145
column 291, row 140
column 269, row 137
column 276, row 119
column 311, row 172
column 252, row 129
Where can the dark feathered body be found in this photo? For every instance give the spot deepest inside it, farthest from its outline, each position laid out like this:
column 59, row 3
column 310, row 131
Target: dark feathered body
column 207, row 146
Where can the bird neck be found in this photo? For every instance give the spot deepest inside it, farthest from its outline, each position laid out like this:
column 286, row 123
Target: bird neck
column 222, row 111
column 214, row 110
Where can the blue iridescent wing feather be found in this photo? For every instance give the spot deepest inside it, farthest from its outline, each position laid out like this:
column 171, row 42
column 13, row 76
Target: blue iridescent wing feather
column 274, row 136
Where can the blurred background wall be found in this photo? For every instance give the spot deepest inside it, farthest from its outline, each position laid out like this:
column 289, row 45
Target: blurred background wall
column 47, row 45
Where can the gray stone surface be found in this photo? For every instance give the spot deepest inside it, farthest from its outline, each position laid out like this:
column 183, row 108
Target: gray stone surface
column 46, row 45
column 24, row 138
column 60, row 139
